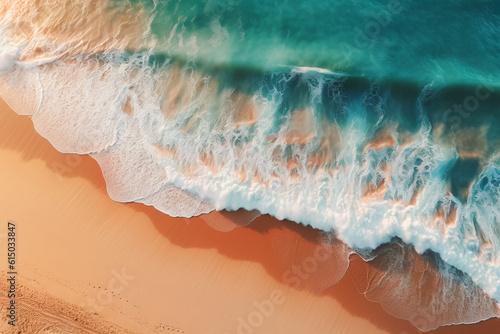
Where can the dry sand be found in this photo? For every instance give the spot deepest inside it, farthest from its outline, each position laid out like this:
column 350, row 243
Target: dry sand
column 90, row 265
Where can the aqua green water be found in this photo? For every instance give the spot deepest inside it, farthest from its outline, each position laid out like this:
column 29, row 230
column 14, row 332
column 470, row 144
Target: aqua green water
column 422, row 41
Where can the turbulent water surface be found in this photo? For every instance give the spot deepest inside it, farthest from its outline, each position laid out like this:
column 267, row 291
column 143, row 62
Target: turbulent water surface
column 377, row 120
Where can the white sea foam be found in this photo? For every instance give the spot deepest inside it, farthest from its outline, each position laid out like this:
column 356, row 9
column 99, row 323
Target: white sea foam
column 81, row 108
column 303, row 69
column 9, row 53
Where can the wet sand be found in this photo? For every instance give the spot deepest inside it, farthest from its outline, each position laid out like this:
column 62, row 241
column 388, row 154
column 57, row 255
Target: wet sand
column 90, row 265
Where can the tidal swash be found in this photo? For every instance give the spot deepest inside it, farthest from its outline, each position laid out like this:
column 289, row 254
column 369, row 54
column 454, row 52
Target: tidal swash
column 375, row 121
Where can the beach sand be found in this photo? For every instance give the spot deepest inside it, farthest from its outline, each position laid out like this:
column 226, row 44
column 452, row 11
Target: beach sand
column 87, row 264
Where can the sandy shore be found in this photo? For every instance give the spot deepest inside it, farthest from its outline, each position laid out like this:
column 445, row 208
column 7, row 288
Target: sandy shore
column 90, row 265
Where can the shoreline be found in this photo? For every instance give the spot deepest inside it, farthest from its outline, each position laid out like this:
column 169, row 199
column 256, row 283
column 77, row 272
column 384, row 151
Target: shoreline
column 74, row 239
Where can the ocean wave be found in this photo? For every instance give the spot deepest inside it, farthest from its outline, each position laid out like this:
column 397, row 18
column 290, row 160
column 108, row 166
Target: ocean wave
column 371, row 159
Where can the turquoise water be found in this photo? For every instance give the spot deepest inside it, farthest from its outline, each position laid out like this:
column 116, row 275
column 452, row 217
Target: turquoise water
column 420, row 41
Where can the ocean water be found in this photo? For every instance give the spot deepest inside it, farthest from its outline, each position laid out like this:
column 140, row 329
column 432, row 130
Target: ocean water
column 377, row 121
